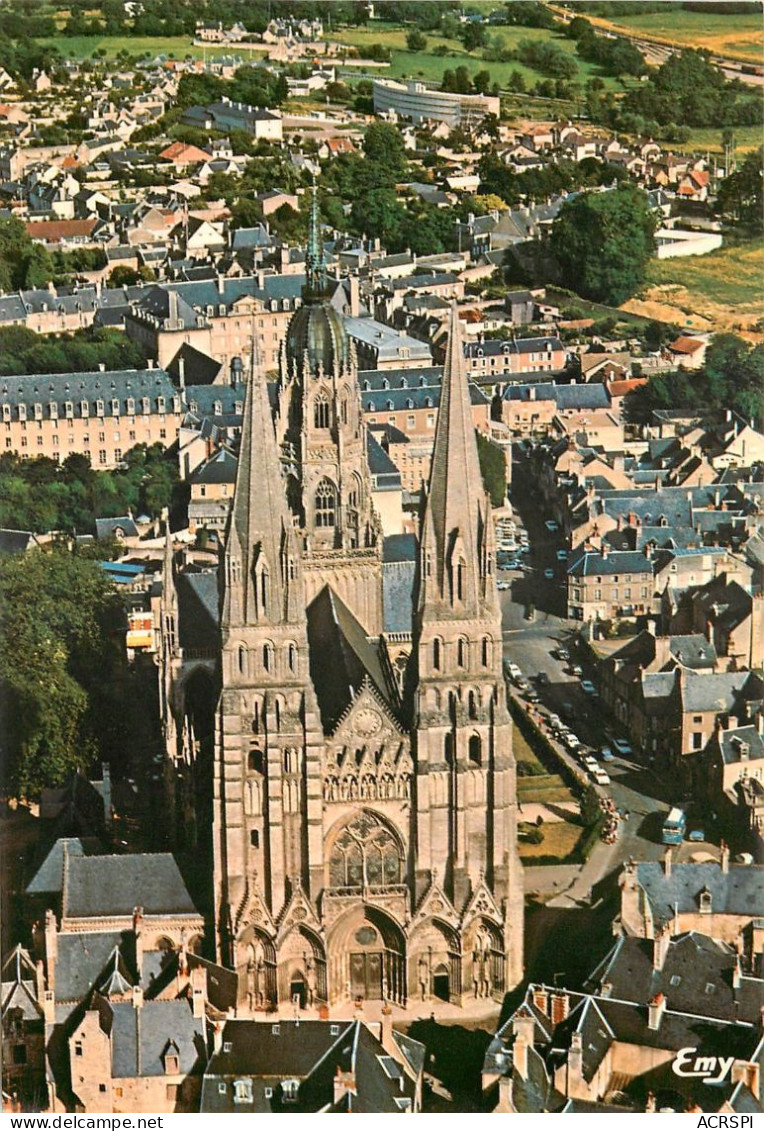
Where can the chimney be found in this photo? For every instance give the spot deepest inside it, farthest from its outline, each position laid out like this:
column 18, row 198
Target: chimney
column 760, row 722
column 137, row 997
column 650, row 1107
column 101, row 366
column 386, row 1033
column 199, row 991
column 51, row 947
column 661, row 943
column 724, row 856
column 39, row 972
column 668, row 856
column 576, row 1056
column 541, row 1000
column 344, row 1084
column 355, row 296
column 737, row 974
column 108, row 811
column 217, row 1037
column 560, row 1007
column 524, row 1028
column 656, row 1007
column 138, row 932
column 605, row 550
column 221, row 285
column 172, row 309
column 182, row 372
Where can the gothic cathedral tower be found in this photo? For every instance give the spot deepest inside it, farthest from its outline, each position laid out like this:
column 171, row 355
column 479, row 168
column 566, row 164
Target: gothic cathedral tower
column 267, row 802
column 325, row 434
column 465, row 768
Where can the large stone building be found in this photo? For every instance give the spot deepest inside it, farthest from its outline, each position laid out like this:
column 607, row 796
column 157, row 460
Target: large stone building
column 364, row 795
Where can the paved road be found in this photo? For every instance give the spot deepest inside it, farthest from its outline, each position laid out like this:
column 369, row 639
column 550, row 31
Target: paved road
column 531, row 644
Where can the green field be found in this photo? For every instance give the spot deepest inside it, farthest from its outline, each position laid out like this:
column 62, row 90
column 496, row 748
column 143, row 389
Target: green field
column 560, row 840
column 723, row 288
column 710, row 141
column 735, row 35
column 174, row 47
column 425, row 65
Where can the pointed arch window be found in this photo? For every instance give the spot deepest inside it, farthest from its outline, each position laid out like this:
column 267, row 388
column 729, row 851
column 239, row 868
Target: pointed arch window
column 264, row 590
column 292, row 657
column 321, row 411
column 437, row 654
column 268, row 657
column 475, row 750
column 461, row 579
column 462, row 652
column 472, row 710
column 241, row 659
column 326, row 504
column 485, row 651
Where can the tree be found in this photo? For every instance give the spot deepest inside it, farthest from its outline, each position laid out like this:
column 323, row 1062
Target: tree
column 603, row 242
column 474, row 35
column 493, row 468
column 741, row 194
column 383, row 147
column 416, row 41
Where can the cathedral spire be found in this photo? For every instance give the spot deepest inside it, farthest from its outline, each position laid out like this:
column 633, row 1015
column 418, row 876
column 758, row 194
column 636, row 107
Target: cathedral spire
column 456, row 535
column 260, row 556
column 315, row 259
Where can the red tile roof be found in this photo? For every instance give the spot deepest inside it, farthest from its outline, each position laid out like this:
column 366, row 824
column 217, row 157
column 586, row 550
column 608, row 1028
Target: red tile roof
column 182, row 154
column 686, row 345
column 53, row 231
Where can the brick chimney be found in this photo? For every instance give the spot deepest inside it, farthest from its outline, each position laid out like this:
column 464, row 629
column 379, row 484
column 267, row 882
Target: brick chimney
column 217, row 1037
column 344, row 1084
column 575, row 1058
column 724, row 856
column 650, row 1107
column 656, row 1007
column 541, row 1000
column 668, row 856
column 137, row 997
column 560, row 1007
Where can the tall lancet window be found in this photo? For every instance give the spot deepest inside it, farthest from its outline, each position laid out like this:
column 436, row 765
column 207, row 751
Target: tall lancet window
column 326, row 504
column 264, row 590
column 321, row 411
column 461, row 579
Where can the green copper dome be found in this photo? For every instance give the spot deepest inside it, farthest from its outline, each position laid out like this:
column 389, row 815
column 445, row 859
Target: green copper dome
column 316, row 332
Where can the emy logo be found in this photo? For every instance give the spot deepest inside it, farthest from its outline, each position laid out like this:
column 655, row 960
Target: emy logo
column 709, row 1069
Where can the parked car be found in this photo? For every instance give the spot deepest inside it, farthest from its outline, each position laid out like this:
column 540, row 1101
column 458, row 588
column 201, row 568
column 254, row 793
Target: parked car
column 512, row 670
column 601, row 777
column 502, row 586
column 555, row 722
column 571, row 741
column 606, row 754
column 621, row 746
column 591, row 764
column 576, row 670
column 551, row 525
column 588, row 687
column 697, row 836
column 562, row 654
column 549, row 574
column 562, row 555
column 543, row 680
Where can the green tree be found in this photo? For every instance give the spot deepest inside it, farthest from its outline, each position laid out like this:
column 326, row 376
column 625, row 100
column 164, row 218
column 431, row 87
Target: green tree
column 603, row 242
column 474, row 35
column 741, row 194
column 493, row 468
column 383, row 146
column 416, row 41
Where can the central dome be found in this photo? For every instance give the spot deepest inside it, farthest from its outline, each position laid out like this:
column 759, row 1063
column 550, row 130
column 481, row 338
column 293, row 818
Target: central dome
column 316, row 335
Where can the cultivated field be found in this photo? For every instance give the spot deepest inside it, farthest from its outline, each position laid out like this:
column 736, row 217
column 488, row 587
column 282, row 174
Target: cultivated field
column 736, row 35
column 720, row 291
column 174, row 47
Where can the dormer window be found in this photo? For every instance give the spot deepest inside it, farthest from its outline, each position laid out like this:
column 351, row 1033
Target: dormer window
column 130, row 406
column 217, row 408
column 289, row 1089
column 115, row 408
column 99, row 408
column 171, row 1060
column 242, row 1091
column 68, row 410
column 160, row 404
column 385, row 383
column 6, row 412
column 706, row 901
column 22, row 412
column 38, row 412
column 53, row 410
column 145, row 405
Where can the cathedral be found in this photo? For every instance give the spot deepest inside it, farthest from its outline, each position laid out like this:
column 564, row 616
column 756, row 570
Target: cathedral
column 364, row 805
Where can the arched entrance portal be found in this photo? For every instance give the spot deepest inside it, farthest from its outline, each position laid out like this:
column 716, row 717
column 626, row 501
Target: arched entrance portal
column 256, row 969
column 441, row 983
column 367, row 957
column 302, row 969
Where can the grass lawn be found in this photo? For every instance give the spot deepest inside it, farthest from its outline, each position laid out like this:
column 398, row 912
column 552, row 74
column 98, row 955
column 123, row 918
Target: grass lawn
column 174, row 47
column 543, row 787
column 560, row 839
column 722, row 289
column 430, row 67
column 735, row 34
column 710, row 140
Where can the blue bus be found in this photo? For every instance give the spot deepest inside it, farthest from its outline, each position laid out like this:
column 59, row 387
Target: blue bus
column 674, row 827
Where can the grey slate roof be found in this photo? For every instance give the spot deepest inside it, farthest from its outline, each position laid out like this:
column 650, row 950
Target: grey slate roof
column 566, row 396
column 588, row 563
column 116, row 385
column 729, row 743
column 737, row 892
column 493, row 347
column 721, row 691
column 219, row 468
column 140, row 1037
column 198, row 610
column 104, row 886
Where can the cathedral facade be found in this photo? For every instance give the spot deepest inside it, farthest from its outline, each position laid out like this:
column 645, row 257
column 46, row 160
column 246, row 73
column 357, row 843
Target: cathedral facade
column 365, row 839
